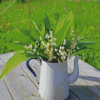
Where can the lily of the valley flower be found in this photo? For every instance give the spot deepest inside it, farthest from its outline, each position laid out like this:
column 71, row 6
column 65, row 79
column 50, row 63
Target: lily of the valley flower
column 56, row 50
column 34, row 50
column 54, row 57
column 54, row 43
column 50, row 40
column 73, row 31
column 51, row 32
column 72, row 46
column 43, row 42
column 64, row 42
column 61, row 47
column 40, row 38
column 47, row 45
column 73, row 38
column 35, row 46
column 55, row 39
column 78, row 38
column 52, row 51
column 47, row 36
column 77, row 48
column 28, row 47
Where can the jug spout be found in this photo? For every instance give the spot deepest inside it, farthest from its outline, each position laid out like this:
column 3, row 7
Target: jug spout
column 73, row 76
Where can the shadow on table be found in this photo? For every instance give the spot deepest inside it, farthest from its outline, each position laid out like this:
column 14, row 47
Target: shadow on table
column 84, row 92
column 91, row 78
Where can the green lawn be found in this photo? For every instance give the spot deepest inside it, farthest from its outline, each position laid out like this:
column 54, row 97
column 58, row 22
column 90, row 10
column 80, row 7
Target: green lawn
column 86, row 21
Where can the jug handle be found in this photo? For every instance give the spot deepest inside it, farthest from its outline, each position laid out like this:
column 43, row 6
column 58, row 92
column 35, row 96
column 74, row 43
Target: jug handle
column 30, row 69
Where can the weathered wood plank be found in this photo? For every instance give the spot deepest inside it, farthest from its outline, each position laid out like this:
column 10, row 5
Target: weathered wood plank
column 89, row 88
column 19, row 84
column 72, row 96
column 87, row 72
column 4, row 93
column 29, row 74
column 84, row 91
column 84, row 68
column 5, row 57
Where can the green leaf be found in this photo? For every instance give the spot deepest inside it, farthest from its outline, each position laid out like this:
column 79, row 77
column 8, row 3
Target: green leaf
column 43, row 30
column 47, row 23
column 41, row 33
column 52, row 22
column 70, row 27
column 36, row 27
column 17, row 35
column 60, row 24
column 26, row 33
column 14, row 61
column 15, row 46
column 70, row 19
column 34, row 35
column 64, row 28
column 60, row 34
column 83, row 43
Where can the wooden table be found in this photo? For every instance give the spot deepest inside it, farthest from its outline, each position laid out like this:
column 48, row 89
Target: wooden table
column 20, row 84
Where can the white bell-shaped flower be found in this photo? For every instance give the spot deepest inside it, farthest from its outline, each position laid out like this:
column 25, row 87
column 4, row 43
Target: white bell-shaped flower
column 40, row 38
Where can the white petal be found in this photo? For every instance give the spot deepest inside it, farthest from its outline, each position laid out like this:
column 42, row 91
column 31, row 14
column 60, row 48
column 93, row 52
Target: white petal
column 42, row 42
column 54, row 57
column 73, row 31
column 77, row 48
column 30, row 46
column 55, row 39
column 62, row 53
column 40, row 38
column 47, row 36
column 59, row 51
column 64, row 40
column 56, row 50
column 73, row 38
column 78, row 38
column 50, row 40
column 51, row 32
column 64, row 43
column 74, row 50
column 34, row 49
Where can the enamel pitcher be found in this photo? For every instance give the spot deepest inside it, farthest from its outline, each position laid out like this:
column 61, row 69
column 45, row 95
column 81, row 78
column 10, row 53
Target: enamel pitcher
column 54, row 79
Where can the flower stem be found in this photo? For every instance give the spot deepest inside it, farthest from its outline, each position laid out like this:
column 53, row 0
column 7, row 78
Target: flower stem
column 83, row 55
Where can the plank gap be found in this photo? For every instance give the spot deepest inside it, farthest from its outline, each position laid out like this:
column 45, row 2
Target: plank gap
column 8, row 89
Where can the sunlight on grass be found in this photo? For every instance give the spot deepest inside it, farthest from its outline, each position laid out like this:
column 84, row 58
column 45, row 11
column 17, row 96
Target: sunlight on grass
column 86, row 15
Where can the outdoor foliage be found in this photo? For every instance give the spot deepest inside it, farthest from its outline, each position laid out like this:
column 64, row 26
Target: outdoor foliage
column 17, row 18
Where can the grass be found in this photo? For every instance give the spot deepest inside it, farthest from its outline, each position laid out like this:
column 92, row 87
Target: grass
column 86, row 20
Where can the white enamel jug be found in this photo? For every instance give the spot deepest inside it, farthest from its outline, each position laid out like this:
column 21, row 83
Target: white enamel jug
column 54, row 79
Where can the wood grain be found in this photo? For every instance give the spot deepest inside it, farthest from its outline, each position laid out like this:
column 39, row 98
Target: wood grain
column 4, row 93
column 20, row 84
